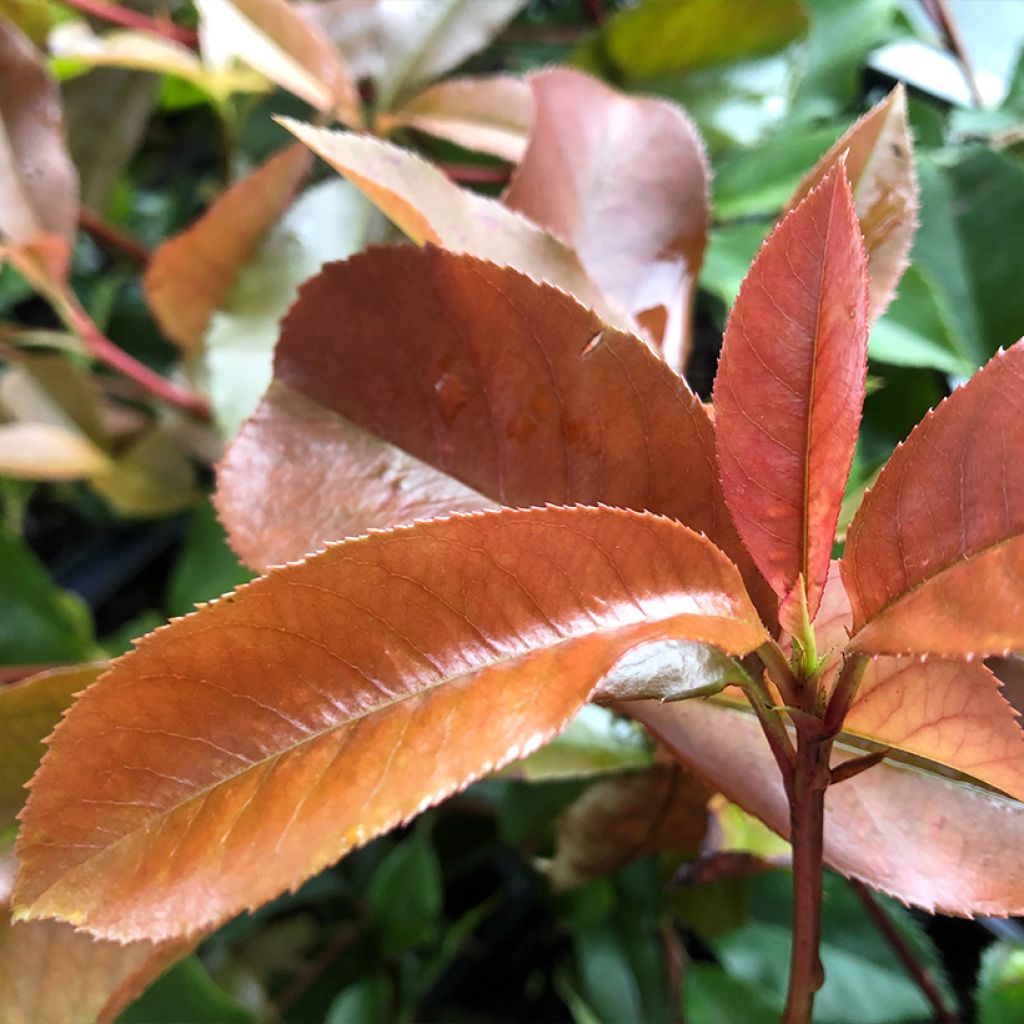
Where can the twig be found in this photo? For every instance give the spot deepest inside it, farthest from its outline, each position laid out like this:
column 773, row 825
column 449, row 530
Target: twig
column 127, row 18
column 854, row 666
column 939, row 12
column 921, row 975
column 115, row 357
column 782, row 675
column 675, row 966
column 112, row 238
column 467, row 175
column 852, row 768
column 594, row 10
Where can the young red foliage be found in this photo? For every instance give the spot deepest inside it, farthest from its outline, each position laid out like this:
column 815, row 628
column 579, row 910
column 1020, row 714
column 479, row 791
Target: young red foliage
column 789, row 392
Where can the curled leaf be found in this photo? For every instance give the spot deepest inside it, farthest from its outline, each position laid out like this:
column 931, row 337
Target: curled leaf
column 624, row 181
column 880, row 164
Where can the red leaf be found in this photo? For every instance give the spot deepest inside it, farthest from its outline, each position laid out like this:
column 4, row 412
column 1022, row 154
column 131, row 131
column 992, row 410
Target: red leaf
column 934, row 560
column 922, row 836
column 624, row 180
column 790, row 388
column 203, row 773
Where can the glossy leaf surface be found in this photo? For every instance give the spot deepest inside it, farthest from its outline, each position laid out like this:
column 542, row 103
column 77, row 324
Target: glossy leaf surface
column 625, row 181
column 790, row 388
column 880, row 164
column 192, row 274
column 38, row 182
column 272, row 37
column 430, row 208
column 442, row 362
column 934, row 560
column 419, row 659
column 926, row 838
column 486, row 113
column 29, row 710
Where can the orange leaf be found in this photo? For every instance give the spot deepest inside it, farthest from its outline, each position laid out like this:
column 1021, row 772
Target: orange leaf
column 38, row 182
column 192, row 274
column 934, row 560
column 509, row 386
column 625, row 182
column 29, row 710
column 203, row 774
column 949, row 712
column 789, row 392
column 430, row 208
column 486, row 113
column 880, row 164
column 923, row 836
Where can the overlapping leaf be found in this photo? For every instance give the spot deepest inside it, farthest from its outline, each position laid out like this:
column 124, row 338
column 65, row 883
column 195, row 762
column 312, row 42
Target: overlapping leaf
column 272, row 37
column 790, row 388
column 38, row 182
column 925, row 836
column 430, row 208
column 625, row 182
column 486, row 113
column 202, row 774
column 934, row 561
column 880, row 164
column 191, row 274
column 28, row 712
column 508, row 386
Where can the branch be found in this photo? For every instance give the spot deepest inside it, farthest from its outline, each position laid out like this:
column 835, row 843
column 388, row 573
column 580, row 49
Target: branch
column 112, row 238
column 780, row 672
column 844, row 691
column 100, row 346
column 921, row 975
column 115, row 14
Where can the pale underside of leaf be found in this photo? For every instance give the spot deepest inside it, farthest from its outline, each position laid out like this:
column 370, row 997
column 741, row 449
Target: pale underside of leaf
column 880, row 164
column 272, row 37
column 191, row 275
column 935, row 841
column 934, row 559
column 428, row 207
column 789, row 392
column 245, row 747
column 623, row 180
column 43, row 451
column 487, row 113
column 38, row 182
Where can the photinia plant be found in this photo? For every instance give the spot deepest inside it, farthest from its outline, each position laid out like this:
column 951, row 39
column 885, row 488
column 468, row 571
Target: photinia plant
column 554, row 517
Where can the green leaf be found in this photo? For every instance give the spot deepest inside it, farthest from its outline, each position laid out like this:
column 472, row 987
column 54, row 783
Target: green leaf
column 186, row 994
column 657, row 37
column 405, row 896
column 1000, row 994
column 913, row 331
column 207, row 567
column 759, row 179
column 606, row 976
column 713, row 996
column 366, row 1002
column 864, row 982
column 41, row 624
column 729, row 254
column 988, row 197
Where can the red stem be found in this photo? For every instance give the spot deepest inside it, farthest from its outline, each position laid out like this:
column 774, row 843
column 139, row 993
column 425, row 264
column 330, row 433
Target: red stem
column 115, row 357
column 118, row 15
column 111, row 237
column 475, row 175
column 807, row 827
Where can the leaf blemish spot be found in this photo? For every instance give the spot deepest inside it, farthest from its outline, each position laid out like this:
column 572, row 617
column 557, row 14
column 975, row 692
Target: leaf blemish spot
column 592, row 344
